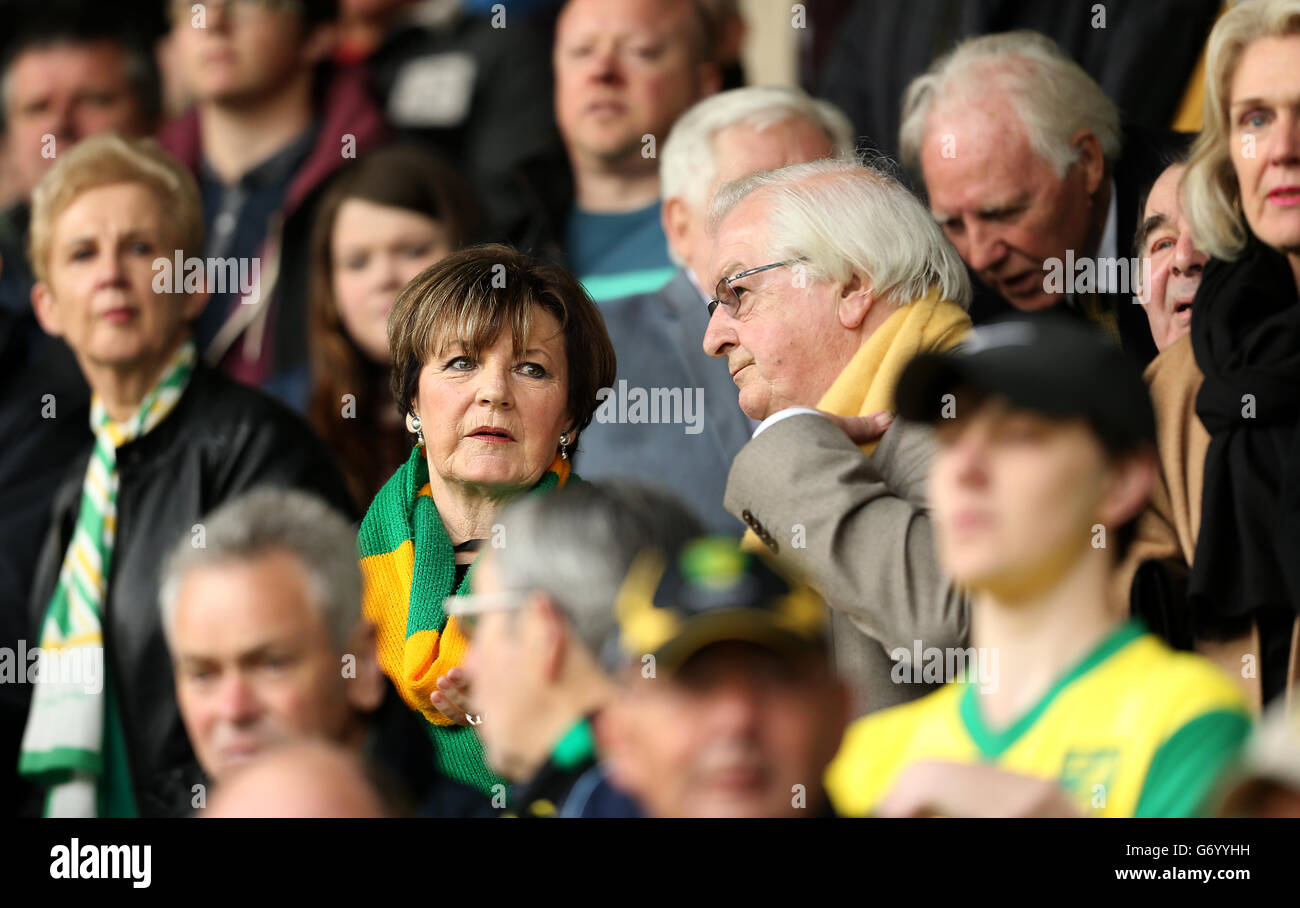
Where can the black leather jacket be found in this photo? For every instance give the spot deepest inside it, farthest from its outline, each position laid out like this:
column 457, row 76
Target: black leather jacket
column 222, row 439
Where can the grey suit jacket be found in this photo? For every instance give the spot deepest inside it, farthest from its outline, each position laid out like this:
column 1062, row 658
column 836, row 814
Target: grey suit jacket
column 672, row 417
column 866, row 542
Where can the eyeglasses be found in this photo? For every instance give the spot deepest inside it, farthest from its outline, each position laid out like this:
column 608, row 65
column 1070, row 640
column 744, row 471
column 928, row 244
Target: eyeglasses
column 469, row 608
column 725, row 295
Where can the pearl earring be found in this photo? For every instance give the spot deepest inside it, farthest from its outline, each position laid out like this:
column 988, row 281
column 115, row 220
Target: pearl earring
column 564, row 445
column 417, row 428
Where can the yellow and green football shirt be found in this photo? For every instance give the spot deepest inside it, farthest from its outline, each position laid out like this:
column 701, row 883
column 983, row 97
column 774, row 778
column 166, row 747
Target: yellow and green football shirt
column 1134, row 729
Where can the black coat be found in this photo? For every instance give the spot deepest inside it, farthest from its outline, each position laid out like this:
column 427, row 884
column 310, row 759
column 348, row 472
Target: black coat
column 221, row 440
column 38, row 379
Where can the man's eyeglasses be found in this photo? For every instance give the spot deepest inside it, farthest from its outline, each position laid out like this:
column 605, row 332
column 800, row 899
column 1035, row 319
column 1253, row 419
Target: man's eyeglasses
column 725, row 295
column 468, row 608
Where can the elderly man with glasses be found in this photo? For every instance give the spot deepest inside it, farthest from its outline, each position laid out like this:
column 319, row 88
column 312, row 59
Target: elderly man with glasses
column 657, row 335
column 829, row 276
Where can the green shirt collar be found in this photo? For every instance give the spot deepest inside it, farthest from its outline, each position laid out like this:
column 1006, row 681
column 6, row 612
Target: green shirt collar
column 576, row 747
column 992, row 744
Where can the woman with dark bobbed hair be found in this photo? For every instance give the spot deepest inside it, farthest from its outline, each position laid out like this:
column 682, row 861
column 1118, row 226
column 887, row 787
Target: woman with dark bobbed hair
column 497, row 361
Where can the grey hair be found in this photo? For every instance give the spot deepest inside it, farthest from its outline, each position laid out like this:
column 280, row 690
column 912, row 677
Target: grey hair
column 1053, row 96
column 847, row 217
column 577, row 545
column 266, row 520
column 688, row 162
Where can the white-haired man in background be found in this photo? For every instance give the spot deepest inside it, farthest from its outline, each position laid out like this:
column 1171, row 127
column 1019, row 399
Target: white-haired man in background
column 1025, row 162
column 828, row 278
column 657, row 335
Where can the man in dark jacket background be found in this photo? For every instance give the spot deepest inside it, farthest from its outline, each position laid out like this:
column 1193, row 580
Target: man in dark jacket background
column 1038, row 197
column 272, row 121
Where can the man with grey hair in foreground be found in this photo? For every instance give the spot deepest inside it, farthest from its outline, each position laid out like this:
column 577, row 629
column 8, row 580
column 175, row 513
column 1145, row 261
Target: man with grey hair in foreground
column 261, row 606
column 1034, row 180
column 542, row 611
column 829, row 277
column 672, row 411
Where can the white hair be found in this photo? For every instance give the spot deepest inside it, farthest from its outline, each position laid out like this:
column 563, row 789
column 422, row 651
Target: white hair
column 688, row 162
column 846, row 217
column 268, row 520
column 1053, row 96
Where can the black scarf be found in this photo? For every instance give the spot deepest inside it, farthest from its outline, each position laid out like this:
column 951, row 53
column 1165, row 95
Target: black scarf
column 1246, row 338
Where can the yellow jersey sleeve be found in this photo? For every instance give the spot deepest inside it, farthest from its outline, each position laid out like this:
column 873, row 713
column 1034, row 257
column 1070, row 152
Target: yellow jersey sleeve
column 879, row 746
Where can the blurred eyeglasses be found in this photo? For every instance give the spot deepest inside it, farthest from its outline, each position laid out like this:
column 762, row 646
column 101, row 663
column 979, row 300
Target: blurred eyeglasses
column 725, row 295
column 183, row 10
column 469, row 608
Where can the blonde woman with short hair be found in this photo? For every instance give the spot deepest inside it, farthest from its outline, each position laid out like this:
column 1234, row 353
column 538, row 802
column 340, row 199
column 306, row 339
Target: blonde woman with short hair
column 172, row 440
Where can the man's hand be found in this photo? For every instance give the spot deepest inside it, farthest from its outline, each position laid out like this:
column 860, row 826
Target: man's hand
column 452, row 698
column 935, row 788
column 862, row 429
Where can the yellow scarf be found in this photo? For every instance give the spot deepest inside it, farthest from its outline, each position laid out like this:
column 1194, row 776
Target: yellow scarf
column 866, row 385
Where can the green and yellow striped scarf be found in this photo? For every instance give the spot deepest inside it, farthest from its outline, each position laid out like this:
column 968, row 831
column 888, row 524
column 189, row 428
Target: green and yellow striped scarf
column 73, row 743
column 409, row 568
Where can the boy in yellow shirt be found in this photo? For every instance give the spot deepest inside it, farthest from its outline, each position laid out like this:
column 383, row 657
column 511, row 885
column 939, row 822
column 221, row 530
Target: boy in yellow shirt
column 1045, row 453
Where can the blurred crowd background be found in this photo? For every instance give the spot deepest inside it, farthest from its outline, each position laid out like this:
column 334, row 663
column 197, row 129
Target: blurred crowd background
column 649, row 408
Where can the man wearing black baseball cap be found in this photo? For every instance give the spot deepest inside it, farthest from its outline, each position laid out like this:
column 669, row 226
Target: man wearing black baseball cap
column 729, row 706
column 1045, row 455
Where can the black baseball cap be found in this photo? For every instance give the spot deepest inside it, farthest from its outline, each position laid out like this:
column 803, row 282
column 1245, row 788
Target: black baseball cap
column 1053, row 364
column 712, row 591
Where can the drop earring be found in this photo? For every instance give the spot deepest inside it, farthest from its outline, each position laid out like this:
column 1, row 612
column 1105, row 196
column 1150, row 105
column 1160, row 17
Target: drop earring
column 564, row 446
column 417, row 428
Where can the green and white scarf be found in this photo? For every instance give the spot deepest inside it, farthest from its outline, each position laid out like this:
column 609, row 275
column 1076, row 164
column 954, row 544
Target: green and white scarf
column 73, row 743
